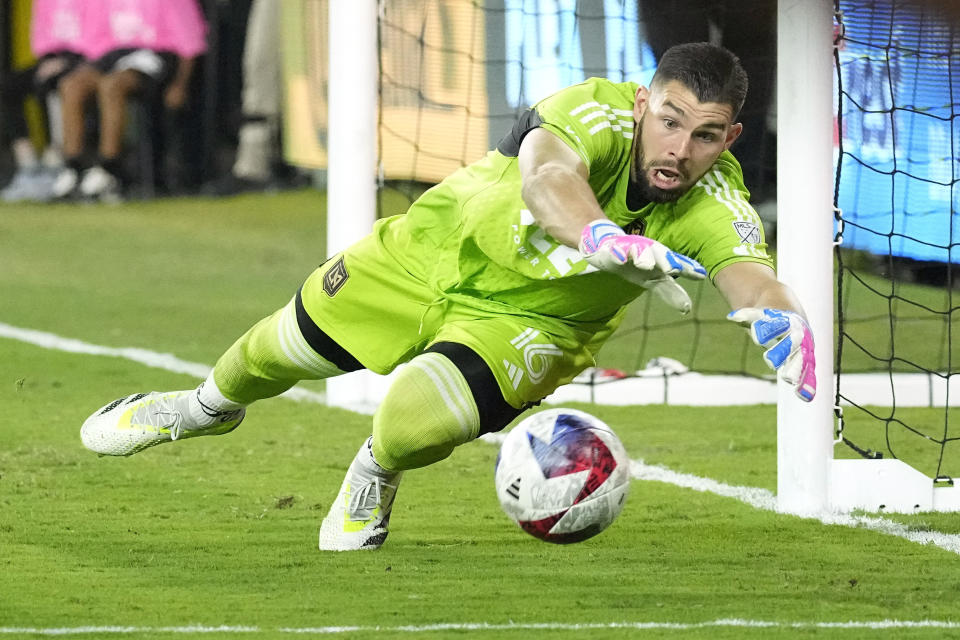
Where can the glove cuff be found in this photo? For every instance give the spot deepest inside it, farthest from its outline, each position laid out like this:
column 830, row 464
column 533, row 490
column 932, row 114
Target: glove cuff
column 596, row 232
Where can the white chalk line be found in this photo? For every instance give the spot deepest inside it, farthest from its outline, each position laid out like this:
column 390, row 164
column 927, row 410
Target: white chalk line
column 755, row 497
column 766, row 500
column 486, row 626
column 166, row 361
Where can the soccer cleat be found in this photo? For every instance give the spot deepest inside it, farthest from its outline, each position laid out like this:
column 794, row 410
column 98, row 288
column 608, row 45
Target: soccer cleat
column 99, row 183
column 65, row 183
column 359, row 516
column 132, row 424
column 29, row 185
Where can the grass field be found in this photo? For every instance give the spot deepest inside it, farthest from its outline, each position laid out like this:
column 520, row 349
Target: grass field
column 216, row 537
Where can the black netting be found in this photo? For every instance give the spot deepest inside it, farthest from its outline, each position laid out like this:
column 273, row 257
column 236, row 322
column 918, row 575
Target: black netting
column 898, row 87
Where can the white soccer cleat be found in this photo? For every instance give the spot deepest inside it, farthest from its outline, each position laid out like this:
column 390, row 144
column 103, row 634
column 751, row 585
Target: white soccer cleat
column 132, row 424
column 359, row 516
column 99, row 183
column 65, row 183
column 29, row 185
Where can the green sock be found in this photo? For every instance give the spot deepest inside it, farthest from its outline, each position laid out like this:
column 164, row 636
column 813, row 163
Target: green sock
column 269, row 359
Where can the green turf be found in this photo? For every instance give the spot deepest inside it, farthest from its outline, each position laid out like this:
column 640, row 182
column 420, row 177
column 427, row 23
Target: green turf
column 222, row 531
column 145, row 273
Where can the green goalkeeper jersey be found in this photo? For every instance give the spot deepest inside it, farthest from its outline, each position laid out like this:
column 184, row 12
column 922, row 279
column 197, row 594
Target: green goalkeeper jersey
column 472, row 238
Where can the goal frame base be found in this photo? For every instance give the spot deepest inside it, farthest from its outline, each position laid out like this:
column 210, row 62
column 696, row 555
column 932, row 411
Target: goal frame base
column 888, row 486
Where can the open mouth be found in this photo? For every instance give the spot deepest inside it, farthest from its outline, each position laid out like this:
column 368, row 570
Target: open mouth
column 665, row 177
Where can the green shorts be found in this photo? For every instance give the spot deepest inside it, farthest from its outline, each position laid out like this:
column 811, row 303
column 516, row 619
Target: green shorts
column 375, row 305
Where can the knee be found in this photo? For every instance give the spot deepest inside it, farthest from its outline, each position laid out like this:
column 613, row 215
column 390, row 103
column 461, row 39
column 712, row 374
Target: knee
column 397, row 446
column 428, row 412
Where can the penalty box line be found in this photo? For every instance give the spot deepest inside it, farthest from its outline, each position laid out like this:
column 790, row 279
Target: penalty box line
column 755, row 497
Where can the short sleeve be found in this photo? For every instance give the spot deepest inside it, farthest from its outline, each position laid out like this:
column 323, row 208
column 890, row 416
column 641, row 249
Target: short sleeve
column 592, row 118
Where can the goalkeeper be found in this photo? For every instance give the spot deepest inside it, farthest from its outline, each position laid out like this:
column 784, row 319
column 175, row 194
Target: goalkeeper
column 502, row 282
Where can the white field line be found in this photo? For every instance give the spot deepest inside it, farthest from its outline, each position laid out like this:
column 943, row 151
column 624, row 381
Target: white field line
column 764, row 499
column 154, row 359
column 486, row 626
column 755, row 497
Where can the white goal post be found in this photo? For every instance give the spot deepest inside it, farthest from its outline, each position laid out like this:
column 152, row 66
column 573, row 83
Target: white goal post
column 352, row 151
column 805, row 236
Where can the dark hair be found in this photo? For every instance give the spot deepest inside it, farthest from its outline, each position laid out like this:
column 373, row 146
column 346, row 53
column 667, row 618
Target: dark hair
column 712, row 73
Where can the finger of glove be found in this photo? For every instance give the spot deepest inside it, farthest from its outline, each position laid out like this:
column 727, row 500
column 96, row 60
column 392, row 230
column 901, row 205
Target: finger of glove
column 614, row 252
column 791, row 369
column 605, row 260
column 800, row 372
column 806, row 385
column 672, row 294
column 771, row 327
column 644, row 257
column 656, row 256
column 665, row 287
column 806, row 388
column 745, row 316
column 688, row 267
column 778, row 354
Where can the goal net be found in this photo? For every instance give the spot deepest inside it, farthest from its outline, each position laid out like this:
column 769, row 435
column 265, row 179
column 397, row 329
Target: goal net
column 898, row 321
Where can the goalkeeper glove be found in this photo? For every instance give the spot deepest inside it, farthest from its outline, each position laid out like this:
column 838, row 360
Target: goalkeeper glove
column 640, row 260
column 789, row 343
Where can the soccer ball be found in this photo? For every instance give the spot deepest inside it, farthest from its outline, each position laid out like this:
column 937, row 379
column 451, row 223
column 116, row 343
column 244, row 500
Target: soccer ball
column 562, row 475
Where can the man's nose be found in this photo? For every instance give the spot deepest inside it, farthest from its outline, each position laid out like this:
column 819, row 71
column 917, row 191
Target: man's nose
column 680, row 147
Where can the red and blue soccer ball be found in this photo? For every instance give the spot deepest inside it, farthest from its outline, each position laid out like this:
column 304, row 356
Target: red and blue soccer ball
column 562, row 475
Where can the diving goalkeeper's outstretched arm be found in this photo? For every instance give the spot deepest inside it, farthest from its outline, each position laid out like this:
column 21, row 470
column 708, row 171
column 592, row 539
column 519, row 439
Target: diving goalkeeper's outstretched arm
column 555, row 187
column 773, row 316
column 558, row 195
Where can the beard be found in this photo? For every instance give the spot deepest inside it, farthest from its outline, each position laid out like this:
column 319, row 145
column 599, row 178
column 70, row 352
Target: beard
column 639, row 169
column 650, row 191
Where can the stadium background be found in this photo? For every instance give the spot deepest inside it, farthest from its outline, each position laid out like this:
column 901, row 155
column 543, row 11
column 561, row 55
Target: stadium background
column 465, row 68
column 204, row 135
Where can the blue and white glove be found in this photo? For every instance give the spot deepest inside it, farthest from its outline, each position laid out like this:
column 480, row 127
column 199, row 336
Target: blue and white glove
column 789, row 343
column 640, row 260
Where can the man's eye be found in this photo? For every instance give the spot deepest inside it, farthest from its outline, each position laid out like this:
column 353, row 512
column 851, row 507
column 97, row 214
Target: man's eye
column 669, row 124
column 707, row 137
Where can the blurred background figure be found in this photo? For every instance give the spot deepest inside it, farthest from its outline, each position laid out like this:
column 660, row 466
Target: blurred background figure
column 258, row 162
column 56, row 41
column 142, row 49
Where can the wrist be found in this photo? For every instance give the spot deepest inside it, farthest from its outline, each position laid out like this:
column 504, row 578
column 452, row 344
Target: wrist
column 596, row 233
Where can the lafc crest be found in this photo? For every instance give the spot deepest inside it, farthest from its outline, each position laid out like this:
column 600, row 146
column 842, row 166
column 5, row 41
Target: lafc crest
column 636, row 227
column 335, row 277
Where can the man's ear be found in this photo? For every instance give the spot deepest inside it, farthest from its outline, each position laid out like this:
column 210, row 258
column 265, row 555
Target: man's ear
column 640, row 101
column 732, row 134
